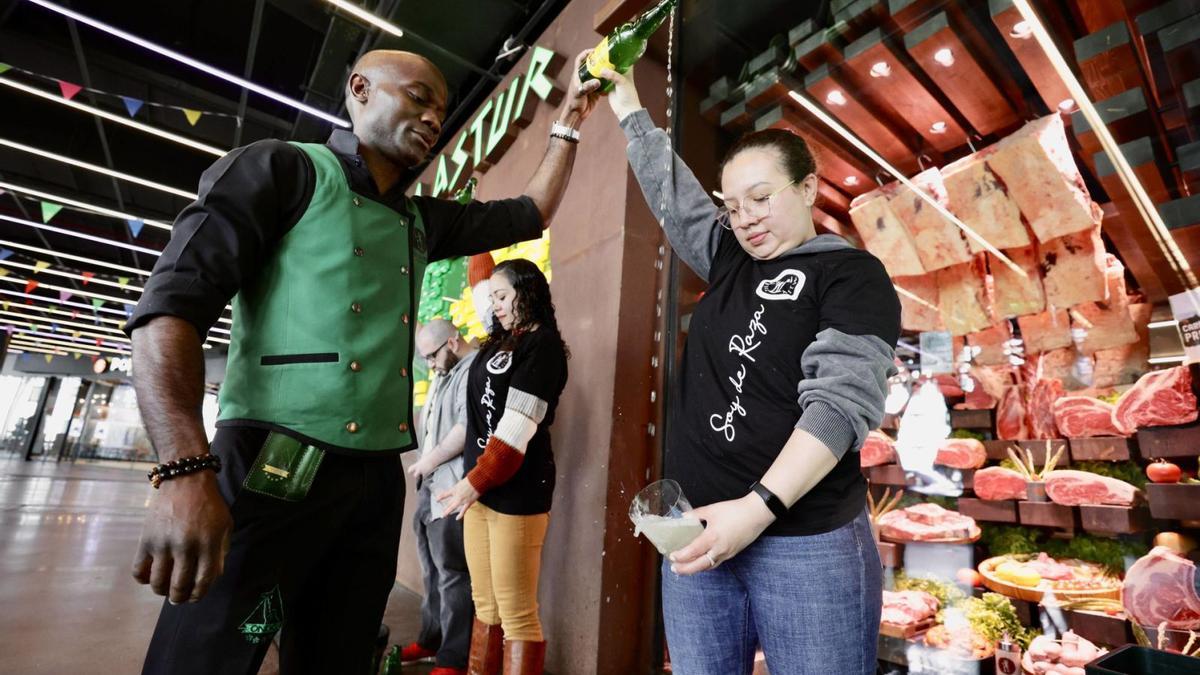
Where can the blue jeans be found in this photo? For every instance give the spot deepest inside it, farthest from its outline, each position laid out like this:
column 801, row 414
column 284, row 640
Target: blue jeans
column 812, row 602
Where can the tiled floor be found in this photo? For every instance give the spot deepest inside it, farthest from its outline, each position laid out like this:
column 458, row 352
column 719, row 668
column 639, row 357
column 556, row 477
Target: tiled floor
column 67, row 602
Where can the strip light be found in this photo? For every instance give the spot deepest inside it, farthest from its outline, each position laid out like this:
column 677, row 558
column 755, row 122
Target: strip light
column 88, row 294
column 66, row 303
column 67, row 201
column 72, row 275
column 32, row 345
column 66, row 342
column 78, row 258
column 80, row 235
column 189, row 61
column 97, row 168
column 1168, row 359
column 85, row 328
column 1162, row 324
column 363, row 15
column 182, row 140
column 1141, row 199
column 875, row 157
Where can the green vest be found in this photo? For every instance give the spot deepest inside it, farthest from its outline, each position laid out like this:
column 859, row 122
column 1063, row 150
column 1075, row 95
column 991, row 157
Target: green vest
column 323, row 336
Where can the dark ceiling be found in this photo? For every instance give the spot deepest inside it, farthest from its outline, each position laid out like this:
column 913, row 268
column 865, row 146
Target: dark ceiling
column 299, row 48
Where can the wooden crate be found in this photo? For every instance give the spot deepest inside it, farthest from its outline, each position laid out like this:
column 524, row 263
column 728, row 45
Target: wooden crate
column 992, row 511
column 1103, row 448
column 1115, row 519
column 1177, row 441
column 1048, row 514
column 1177, row 501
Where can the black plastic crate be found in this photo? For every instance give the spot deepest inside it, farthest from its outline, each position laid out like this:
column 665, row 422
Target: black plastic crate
column 1137, row 660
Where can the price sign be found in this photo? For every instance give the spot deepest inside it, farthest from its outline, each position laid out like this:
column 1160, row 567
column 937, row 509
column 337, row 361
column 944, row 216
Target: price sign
column 1186, row 308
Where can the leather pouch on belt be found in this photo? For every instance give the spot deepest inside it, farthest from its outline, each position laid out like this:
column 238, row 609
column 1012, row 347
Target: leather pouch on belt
column 285, row 468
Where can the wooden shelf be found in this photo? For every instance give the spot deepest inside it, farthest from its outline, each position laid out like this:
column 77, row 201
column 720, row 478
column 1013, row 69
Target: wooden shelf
column 1115, row 519
column 991, row 511
column 1174, row 502
column 972, row 419
column 1103, row 448
column 1048, row 514
column 1177, row 441
column 888, row 474
column 1101, row 628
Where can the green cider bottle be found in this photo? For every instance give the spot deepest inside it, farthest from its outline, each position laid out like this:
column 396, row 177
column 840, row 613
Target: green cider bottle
column 624, row 45
column 467, row 192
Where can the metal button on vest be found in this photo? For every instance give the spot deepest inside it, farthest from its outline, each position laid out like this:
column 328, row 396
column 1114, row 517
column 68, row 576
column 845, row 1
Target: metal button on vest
column 355, row 366
column 356, row 307
column 404, row 319
column 358, row 251
column 404, row 372
column 357, row 201
column 352, row 427
column 403, row 269
column 403, row 427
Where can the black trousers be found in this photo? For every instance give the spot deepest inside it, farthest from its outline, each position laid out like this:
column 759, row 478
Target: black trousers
column 447, row 611
column 320, row 569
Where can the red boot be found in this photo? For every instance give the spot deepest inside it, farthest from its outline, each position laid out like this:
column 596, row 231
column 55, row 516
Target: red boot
column 442, row 670
column 415, row 652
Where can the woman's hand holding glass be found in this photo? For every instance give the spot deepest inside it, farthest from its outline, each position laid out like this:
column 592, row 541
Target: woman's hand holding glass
column 730, row 526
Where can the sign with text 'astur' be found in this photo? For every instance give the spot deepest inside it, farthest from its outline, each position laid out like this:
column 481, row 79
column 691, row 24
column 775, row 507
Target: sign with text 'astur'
column 492, row 130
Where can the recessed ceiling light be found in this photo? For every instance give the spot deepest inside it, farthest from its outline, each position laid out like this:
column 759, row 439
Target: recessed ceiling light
column 938, row 127
column 850, row 180
column 835, row 97
column 1066, row 105
column 881, row 69
column 1021, row 30
column 944, row 56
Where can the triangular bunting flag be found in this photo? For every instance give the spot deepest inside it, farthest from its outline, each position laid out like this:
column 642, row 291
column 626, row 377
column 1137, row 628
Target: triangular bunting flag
column 122, row 281
column 5, row 253
column 96, row 302
column 76, row 334
column 87, row 276
column 5, row 304
column 63, row 296
column 95, row 359
column 54, row 327
column 49, row 357
column 75, row 314
column 135, row 226
column 4, row 67
column 49, row 209
column 36, row 328
column 133, row 105
column 3, row 272
column 98, row 342
column 77, row 355
column 39, row 265
column 68, row 89
column 192, row 116
column 31, row 285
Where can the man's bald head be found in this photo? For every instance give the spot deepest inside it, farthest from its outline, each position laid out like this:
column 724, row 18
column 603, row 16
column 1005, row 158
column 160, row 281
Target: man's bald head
column 434, row 333
column 397, row 101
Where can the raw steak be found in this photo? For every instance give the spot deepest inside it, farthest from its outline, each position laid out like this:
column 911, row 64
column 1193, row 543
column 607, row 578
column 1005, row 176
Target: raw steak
column 997, row 482
column 1108, row 324
column 963, row 298
column 1073, row 269
column 1046, row 331
column 1012, row 423
column 924, row 522
column 883, row 234
column 915, row 315
column 979, row 200
column 1039, row 171
column 961, row 453
column 1072, row 488
column 876, row 450
column 903, row 608
column 1017, row 295
column 938, row 240
column 1041, row 408
column 991, row 342
column 1124, row 365
column 1085, row 417
column 1161, row 587
column 1161, row 398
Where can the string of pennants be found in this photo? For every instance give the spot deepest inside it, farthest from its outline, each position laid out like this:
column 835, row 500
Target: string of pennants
column 133, row 105
column 63, row 296
column 50, row 209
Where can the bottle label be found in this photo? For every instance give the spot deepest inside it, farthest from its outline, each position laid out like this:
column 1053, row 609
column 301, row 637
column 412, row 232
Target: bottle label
column 597, row 62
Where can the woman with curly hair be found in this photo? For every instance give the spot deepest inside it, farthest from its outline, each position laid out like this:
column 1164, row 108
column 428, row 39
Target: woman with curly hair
column 512, row 392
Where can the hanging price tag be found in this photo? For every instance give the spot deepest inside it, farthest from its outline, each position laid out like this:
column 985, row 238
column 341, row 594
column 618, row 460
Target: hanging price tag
column 1186, row 308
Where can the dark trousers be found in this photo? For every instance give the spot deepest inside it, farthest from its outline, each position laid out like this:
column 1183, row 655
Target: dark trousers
column 447, row 611
column 320, row 569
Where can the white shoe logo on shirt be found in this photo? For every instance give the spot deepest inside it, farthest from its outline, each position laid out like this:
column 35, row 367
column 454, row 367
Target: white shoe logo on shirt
column 500, row 363
column 786, row 286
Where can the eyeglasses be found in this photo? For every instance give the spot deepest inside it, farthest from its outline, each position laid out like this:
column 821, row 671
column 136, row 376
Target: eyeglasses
column 753, row 207
column 432, row 356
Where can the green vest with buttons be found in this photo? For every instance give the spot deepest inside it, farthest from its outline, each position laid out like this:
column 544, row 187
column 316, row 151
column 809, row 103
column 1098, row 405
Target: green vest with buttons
column 323, row 336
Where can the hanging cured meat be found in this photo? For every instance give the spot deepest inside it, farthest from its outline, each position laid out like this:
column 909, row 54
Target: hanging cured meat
column 1046, row 331
column 1017, row 295
column 979, row 200
column 883, row 234
column 990, row 343
column 917, row 315
column 939, row 241
column 963, row 298
column 1123, row 365
column 1107, row 325
column 1073, row 269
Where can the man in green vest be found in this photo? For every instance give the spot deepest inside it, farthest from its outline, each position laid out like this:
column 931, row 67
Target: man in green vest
column 290, row 519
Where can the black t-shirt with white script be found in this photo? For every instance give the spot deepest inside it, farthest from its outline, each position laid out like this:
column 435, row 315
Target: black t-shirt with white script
column 736, row 399
column 538, row 367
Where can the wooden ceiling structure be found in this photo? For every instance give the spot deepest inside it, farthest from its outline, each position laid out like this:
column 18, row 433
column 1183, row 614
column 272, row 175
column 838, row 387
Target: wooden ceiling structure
column 925, row 82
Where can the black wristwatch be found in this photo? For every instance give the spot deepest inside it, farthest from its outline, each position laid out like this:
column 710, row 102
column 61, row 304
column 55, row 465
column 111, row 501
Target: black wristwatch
column 775, row 504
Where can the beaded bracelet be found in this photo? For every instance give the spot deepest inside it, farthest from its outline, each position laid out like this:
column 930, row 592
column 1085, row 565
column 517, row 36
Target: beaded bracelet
column 182, row 467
